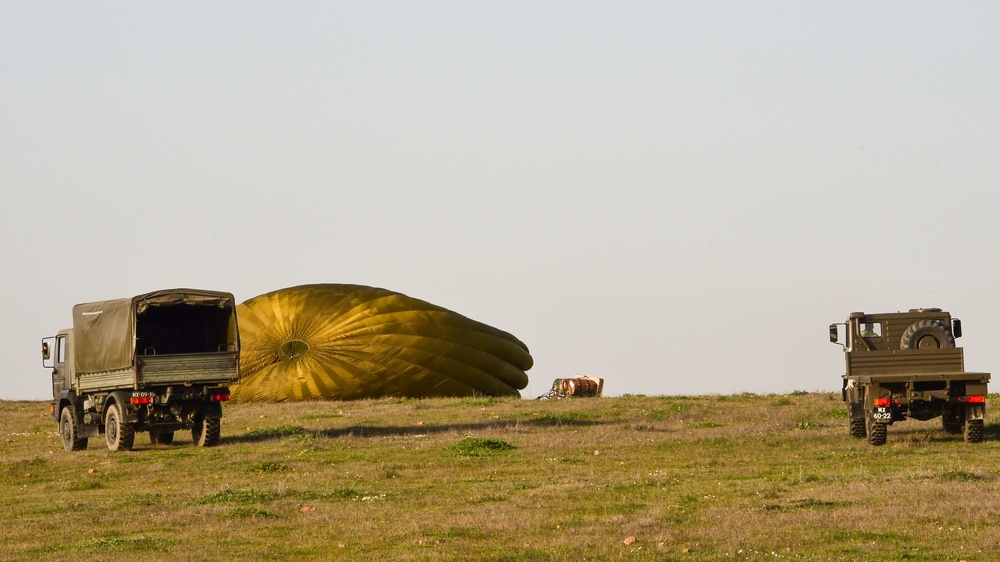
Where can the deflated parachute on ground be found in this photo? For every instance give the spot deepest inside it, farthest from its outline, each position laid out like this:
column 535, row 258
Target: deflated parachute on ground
column 345, row 342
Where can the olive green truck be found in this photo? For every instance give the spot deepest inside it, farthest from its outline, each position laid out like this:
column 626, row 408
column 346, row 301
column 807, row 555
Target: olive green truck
column 158, row 363
column 906, row 364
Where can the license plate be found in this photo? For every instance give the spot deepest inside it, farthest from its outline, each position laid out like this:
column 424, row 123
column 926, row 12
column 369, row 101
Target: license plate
column 882, row 413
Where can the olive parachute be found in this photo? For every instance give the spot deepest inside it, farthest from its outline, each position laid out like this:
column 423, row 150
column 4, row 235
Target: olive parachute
column 343, row 342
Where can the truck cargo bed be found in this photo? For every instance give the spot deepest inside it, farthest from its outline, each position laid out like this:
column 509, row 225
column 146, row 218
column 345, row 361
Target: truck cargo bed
column 909, row 361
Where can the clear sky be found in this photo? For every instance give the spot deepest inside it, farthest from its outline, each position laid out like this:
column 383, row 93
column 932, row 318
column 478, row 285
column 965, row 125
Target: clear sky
column 676, row 196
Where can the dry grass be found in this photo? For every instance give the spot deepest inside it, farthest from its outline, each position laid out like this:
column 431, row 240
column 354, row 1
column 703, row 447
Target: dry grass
column 743, row 477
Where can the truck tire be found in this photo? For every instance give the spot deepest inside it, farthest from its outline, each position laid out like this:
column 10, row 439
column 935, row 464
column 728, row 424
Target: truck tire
column 858, row 428
column 161, row 437
column 973, row 431
column 119, row 435
column 927, row 334
column 953, row 420
column 876, row 432
column 877, row 435
column 68, row 431
column 206, row 431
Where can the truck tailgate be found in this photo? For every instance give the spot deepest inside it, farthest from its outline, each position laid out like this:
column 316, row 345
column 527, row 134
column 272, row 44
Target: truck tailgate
column 921, row 377
column 189, row 368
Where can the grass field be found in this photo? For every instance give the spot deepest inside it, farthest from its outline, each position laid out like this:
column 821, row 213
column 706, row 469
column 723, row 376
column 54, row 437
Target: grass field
column 744, row 477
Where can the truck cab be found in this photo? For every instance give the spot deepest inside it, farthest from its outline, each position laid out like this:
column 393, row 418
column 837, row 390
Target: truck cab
column 906, row 364
column 920, row 328
column 55, row 351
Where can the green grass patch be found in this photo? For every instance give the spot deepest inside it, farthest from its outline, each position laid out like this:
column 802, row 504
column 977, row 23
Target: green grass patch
column 812, row 503
column 177, row 453
column 963, row 476
column 336, row 494
column 141, row 543
column 22, row 471
column 661, row 413
column 107, row 542
column 488, row 499
column 478, row 402
column 480, row 447
column 268, row 467
column 250, row 512
column 146, row 500
column 562, row 418
column 452, row 533
column 835, row 414
column 279, row 431
column 84, row 485
column 314, row 417
column 240, row 496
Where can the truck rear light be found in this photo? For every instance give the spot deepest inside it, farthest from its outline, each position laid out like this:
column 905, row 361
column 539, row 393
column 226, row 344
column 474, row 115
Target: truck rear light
column 220, row 397
column 883, row 401
column 975, row 399
column 141, row 400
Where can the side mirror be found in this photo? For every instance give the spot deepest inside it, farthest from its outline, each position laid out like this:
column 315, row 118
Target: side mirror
column 956, row 327
column 834, row 336
column 45, row 351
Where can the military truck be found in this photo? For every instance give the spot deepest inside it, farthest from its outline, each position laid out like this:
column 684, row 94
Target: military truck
column 906, row 364
column 158, row 363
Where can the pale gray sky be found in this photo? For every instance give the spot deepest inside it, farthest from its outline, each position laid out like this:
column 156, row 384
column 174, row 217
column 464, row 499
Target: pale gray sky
column 676, row 196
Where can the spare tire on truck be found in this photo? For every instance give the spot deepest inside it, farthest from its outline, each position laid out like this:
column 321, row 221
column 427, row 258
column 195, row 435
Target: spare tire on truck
column 927, row 334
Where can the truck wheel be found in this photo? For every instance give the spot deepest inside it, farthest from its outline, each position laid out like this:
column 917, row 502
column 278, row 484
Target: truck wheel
column 927, row 334
column 858, row 428
column 877, row 435
column 119, row 435
column 162, row 437
column 67, row 429
column 953, row 420
column 206, row 431
column 974, row 431
column 876, row 431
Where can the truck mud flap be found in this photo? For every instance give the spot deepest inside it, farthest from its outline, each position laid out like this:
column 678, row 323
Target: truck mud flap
column 87, row 430
column 213, row 410
column 857, row 409
column 975, row 411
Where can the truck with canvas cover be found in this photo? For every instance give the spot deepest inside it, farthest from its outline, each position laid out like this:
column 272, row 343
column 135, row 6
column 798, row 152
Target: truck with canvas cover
column 158, row 363
column 906, row 365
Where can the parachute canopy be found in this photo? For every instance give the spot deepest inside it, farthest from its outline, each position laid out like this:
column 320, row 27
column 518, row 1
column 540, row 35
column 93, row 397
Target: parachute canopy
column 343, row 342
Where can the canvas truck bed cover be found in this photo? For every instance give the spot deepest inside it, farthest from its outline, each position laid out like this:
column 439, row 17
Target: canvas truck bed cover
column 104, row 332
